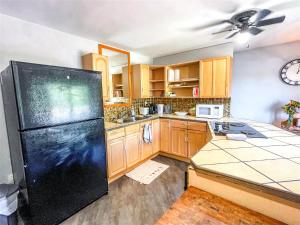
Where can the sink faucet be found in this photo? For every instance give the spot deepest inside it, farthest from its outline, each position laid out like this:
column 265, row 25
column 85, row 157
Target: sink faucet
column 123, row 115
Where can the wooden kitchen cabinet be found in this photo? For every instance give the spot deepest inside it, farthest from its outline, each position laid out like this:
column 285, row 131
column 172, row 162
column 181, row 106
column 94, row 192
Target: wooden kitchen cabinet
column 156, row 135
column 97, row 62
column 132, row 146
column 140, row 81
column 215, row 77
column 196, row 140
column 116, row 156
column 165, row 135
column 146, row 148
column 179, row 141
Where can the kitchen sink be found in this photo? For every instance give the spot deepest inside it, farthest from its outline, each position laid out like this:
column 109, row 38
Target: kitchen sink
column 132, row 119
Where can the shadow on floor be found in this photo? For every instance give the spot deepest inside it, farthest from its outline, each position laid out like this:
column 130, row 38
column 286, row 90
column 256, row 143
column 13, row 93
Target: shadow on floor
column 131, row 203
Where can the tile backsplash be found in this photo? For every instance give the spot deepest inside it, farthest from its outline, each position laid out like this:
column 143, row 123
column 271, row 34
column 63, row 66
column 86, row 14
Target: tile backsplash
column 178, row 104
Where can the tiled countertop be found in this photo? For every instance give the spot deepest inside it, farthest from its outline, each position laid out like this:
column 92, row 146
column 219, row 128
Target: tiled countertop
column 273, row 161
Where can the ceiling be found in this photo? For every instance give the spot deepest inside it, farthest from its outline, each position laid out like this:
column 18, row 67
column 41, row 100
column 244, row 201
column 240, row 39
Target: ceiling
column 154, row 27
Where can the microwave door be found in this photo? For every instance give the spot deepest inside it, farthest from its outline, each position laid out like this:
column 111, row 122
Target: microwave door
column 205, row 111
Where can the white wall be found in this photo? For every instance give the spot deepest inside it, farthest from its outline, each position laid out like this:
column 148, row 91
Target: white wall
column 201, row 53
column 24, row 41
column 257, row 91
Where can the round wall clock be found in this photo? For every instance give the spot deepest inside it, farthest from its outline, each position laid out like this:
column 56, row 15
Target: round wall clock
column 290, row 72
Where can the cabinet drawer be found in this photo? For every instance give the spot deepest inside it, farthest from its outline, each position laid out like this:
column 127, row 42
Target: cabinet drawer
column 199, row 126
column 132, row 129
column 178, row 123
column 115, row 134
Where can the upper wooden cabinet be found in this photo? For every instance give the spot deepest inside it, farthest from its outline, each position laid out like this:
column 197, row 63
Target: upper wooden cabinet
column 215, row 77
column 97, row 62
column 148, row 81
column 140, row 81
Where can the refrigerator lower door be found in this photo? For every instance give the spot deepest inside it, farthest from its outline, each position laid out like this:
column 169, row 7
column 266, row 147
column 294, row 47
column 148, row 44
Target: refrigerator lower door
column 65, row 169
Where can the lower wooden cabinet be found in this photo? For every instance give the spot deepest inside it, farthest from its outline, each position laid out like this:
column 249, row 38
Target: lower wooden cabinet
column 156, row 136
column 126, row 147
column 116, row 156
column 196, row 140
column 132, row 147
column 146, row 148
column 179, row 141
column 165, row 135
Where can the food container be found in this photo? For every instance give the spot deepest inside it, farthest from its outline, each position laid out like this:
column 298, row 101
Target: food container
column 171, row 75
column 177, row 75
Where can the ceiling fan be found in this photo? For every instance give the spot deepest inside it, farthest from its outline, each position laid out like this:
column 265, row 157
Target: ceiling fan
column 249, row 21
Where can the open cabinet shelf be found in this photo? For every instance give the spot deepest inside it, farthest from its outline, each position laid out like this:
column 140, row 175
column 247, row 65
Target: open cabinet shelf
column 157, row 81
column 185, row 78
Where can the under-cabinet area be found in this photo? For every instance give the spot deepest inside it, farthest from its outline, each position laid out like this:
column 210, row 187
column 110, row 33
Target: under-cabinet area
column 179, row 139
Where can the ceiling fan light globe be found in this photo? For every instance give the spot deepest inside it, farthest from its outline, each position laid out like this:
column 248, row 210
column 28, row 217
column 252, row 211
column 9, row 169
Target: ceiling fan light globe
column 242, row 38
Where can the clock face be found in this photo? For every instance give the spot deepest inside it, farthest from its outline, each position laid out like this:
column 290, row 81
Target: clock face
column 290, row 72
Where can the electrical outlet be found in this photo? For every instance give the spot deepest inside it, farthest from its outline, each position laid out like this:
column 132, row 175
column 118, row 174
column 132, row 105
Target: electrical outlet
column 10, row 178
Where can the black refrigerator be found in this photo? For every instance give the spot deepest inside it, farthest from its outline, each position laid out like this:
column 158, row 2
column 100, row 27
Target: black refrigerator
column 54, row 119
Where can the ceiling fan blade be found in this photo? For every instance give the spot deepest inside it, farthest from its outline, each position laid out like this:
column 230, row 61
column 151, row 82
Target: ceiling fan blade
column 211, row 25
column 232, row 34
column 270, row 21
column 260, row 15
column 254, row 30
column 227, row 29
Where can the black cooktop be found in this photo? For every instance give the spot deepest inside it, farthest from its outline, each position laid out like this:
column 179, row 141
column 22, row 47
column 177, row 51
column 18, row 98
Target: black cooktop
column 223, row 128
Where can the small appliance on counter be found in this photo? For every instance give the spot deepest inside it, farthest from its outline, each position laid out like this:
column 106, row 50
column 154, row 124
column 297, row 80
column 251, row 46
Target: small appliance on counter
column 144, row 111
column 152, row 109
column 225, row 128
column 168, row 109
column 209, row 111
column 160, row 109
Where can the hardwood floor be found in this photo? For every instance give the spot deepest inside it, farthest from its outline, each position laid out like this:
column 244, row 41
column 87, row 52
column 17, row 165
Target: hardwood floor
column 197, row 207
column 131, row 203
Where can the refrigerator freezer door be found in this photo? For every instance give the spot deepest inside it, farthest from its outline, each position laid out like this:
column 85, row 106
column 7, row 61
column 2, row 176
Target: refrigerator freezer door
column 49, row 95
column 65, row 169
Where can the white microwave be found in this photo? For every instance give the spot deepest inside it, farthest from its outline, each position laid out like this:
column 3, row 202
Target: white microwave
column 209, row 111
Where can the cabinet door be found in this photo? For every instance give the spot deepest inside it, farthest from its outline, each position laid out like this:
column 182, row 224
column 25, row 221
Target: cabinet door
column 132, row 147
column 116, row 156
column 156, row 136
column 206, row 78
column 196, row 140
column 179, row 141
column 101, row 64
column 145, row 73
column 146, row 148
column 165, row 136
column 219, row 77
